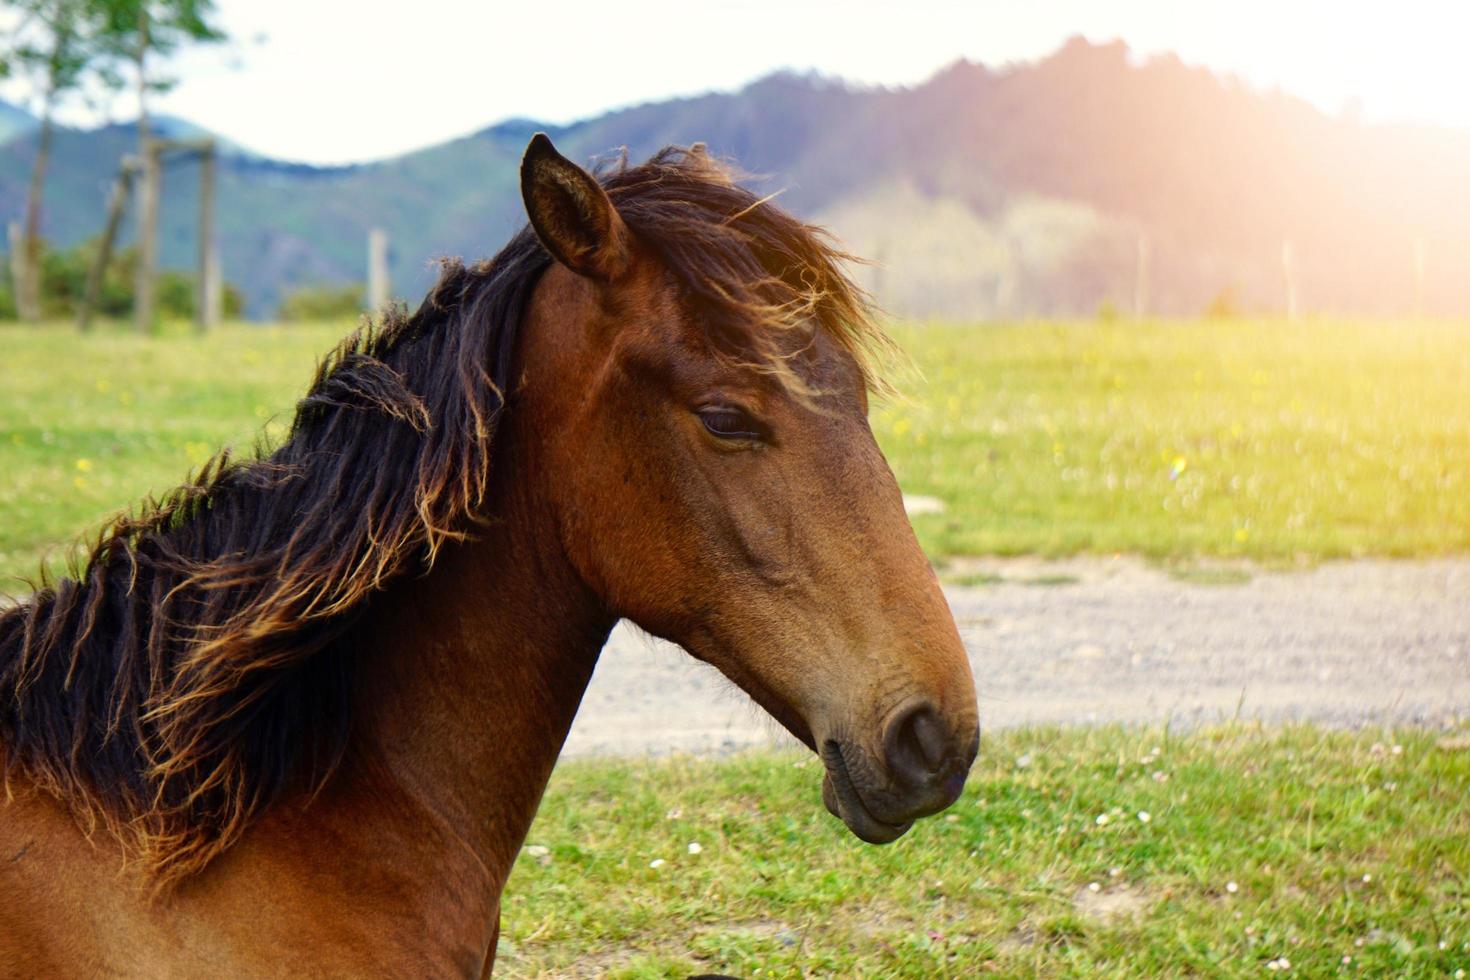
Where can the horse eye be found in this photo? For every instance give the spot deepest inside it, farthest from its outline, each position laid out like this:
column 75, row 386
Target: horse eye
column 729, row 422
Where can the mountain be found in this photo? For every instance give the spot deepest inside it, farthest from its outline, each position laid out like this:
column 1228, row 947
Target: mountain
column 15, row 122
column 1030, row 190
column 174, row 128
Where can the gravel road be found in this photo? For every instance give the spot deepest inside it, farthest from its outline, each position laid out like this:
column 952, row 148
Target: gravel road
column 1095, row 640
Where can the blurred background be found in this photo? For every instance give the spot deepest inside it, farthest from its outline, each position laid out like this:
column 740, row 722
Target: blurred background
column 1062, row 159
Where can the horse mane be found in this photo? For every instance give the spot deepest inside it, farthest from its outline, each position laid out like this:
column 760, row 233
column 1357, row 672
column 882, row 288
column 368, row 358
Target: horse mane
column 188, row 672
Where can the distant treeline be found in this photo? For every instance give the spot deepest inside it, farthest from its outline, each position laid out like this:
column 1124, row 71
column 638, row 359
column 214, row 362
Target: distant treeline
column 64, row 284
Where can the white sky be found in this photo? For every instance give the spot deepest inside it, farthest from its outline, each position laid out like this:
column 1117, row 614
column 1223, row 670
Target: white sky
column 330, row 81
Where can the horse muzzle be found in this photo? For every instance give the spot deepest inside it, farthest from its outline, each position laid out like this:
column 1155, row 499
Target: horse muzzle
column 919, row 771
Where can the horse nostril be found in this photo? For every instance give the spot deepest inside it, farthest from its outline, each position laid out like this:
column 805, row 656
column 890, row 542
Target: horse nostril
column 916, row 744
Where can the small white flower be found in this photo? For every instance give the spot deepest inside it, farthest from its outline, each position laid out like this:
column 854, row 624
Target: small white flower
column 1101, row 820
column 694, row 847
column 1443, row 945
column 1231, row 887
column 1397, row 750
column 1144, row 816
column 1114, row 872
column 1346, row 960
column 1367, row 878
column 951, row 818
column 656, row 863
column 1094, row 887
column 537, row 850
column 1459, row 975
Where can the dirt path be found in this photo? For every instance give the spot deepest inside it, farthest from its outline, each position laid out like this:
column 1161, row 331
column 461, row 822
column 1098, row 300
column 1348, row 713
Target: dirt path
column 1094, row 640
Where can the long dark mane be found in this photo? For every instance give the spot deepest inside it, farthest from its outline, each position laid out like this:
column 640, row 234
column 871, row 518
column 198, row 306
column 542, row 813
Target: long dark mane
column 190, row 673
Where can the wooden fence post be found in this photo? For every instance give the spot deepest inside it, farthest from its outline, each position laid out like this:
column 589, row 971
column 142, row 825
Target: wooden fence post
column 144, row 311
column 1288, row 273
column 208, row 293
column 25, row 274
column 1421, row 261
column 122, row 189
column 1140, row 278
column 1005, row 280
column 17, row 260
column 379, row 290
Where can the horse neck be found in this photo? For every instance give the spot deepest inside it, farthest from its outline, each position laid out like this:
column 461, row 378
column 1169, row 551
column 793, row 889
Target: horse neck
column 473, row 675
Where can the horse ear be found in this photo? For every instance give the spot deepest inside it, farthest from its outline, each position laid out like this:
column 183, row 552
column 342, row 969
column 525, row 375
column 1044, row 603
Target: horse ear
column 572, row 214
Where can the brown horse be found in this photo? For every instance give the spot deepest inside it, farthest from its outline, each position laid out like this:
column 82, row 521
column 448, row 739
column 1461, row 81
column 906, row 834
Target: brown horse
column 297, row 717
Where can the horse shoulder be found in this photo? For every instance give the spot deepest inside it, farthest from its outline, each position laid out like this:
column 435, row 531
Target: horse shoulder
column 55, row 892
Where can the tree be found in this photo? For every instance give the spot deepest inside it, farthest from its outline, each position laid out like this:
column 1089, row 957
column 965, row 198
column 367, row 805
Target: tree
column 136, row 30
column 146, row 33
column 64, row 46
column 58, row 45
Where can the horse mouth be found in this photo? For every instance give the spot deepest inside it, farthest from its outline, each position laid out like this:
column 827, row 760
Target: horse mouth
column 845, row 803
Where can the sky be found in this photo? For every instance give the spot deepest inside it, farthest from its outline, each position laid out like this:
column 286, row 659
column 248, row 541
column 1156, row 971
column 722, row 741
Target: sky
column 336, row 81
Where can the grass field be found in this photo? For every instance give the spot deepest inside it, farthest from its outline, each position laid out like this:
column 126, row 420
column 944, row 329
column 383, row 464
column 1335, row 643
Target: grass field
column 1233, row 851
column 90, row 425
column 1265, row 440
column 1091, row 852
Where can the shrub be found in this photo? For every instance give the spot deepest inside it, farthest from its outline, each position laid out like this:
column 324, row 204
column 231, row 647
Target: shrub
column 1223, row 306
column 64, row 285
column 324, row 301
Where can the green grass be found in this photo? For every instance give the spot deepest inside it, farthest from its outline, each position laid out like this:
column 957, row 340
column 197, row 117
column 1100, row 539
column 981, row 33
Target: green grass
column 89, row 425
column 1338, row 844
column 1267, row 441
column 1177, row 441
